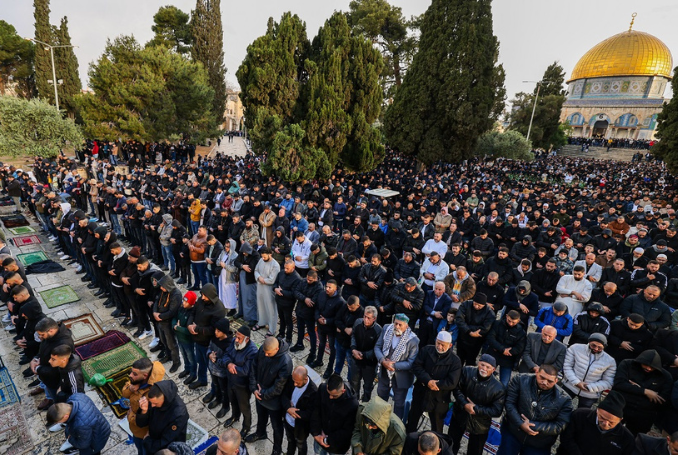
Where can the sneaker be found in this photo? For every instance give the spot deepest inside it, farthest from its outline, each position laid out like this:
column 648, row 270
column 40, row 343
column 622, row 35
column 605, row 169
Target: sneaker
column 66, row 446
column 51, row 238
column 7, row 318
column 146, row 334
column 57, row 427
column 10, row 327
column 77, row 266
column 155, row 341
column 64, row 257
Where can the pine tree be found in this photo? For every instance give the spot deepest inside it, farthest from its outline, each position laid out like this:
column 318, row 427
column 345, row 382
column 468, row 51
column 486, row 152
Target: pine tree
column 208, row 49
column 667, row 130
column 17, row 57
column 43, row 62
column 66, row 67
column 172, row 29
column 454, row 90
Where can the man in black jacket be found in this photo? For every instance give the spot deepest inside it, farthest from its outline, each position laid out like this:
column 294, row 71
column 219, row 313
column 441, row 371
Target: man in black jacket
column 371, row 278
column 618, row 275
column 299, row 399
column 165, row 414
column 437, row 372
column 506, row 342
column 271, row 370
column 610, row 298
column 285, row 288
column 537, row 411
column 478, row 398
column 51, row 335
column 648, row 445
column 364, row 337
column 544, row 282
column 407, row 298
column 334, row 417
column 326, row 311
column 69, row 366
column 628, row 337
column 474, row 321
column 208, row 310
column 164, row 310
column 346, row 317
column 599, row 431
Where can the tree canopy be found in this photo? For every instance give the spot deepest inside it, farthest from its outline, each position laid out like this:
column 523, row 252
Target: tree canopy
column 16, row 62
column 34, row 127
column 667, row 130
column 510, row 144
column 172, row 30
column 146, row 94
column 454, row 89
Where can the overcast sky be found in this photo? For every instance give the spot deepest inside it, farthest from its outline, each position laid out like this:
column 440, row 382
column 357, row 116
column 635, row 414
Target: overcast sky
column 532, row 33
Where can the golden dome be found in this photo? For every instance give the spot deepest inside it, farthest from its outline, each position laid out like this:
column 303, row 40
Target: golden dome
column 629, row 53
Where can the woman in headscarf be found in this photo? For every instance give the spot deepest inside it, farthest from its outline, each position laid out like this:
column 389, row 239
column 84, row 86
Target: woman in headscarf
column 228, row 278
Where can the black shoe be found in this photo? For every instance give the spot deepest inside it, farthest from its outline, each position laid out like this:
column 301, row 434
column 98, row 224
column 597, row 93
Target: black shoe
column 28, row 373
column 181, row 281
column 91, row 286
column 223, row 411
column 316, row 364
column 190, row 379
column 116, row 313
column 159, row 347
column 80, row 272
column 34, row 383
column 175, row 367
column 244, row 432
column 85, row 279
column 254, row 437
column 197, row 385
column 71, row 261
column 183, row 374
column 327, row 373
column 162, row 355
column 138, row 332
column 213, row 404
column 109, row 304
column 297, row 348
column 98, row 293
column 128, row 321
column 208, row 398
column 194, row 288
column 24, row 361
column 230, row 421
column 232, row 313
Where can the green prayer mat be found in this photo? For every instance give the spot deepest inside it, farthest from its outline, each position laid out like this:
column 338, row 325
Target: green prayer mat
column 59, row 296
column 21, row 230
column 113, row 361
column 31, row 258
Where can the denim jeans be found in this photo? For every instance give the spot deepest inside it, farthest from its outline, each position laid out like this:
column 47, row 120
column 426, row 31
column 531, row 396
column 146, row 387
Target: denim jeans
column 139, row 444
column 510, row 445
column 201, row 360
column 505, row 375
column 199, row 274
column 194, row 227
column 188, row 353
column 168, row 257
column 115, row 223
column 341, row 358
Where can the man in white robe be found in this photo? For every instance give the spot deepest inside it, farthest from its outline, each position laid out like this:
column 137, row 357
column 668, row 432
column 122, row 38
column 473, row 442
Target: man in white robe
column 574, row 290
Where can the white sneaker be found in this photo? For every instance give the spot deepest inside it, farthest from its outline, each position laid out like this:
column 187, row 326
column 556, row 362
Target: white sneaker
column 7, row 318
column 10, row 327
column 79, row 269
column 57, row 427
column 154, row 343
column 64, row 257
column 145, row 335
column 75, row 265
column 65, row 446
column 51, row 238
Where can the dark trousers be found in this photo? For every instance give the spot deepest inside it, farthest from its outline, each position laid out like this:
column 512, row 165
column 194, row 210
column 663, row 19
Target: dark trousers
column 436, row 415
column 276, row 416
column 476, row 442
column 325, row 335
column 168, row 340
column 427, row 331
column 240, row 405
column 510, row 445
column 365, row 373
column 220, row 389
column 118, row 296
column 142, row 311
column 584, row 402
column 469, row 350
column 306, row 326
column 286, row 322
column 295, row 443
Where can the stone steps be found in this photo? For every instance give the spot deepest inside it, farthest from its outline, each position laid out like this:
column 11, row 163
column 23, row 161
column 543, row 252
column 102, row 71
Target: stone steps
column 599, row 153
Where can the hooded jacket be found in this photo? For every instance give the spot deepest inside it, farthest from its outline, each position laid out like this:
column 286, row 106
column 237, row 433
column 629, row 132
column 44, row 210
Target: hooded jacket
column 165, row 230
column 512, row 301
column 271, row 373
column 167, row 423
column 169, row 302
column 390, row 435
column 206, row 314
column 563, row 324
column 157, row 373
column 336, row 418
column 630, row 371
column 583, row 437
column 503, row 267
column 640, row 340
column 585, row 325
column 250, row 258
column 86, row 428
column 488, row 396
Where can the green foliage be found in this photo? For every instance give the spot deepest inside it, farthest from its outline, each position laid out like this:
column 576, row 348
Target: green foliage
column 208, row 49
column 546, row 131
column 66, row 67
column 172, row 30
column 292, row 159
column 33, row 127
column 16, row 62
column 454, row 89
column 667, row 130
column 43, row 62
column 146, row 94
column 510, row 144
column 272, row 72
column 384, row 25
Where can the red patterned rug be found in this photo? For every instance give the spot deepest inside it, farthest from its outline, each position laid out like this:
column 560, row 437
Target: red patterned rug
column 26, row 240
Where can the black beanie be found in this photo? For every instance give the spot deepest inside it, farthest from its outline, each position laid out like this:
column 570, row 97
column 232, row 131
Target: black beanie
column 613, row 403
column 223, row 326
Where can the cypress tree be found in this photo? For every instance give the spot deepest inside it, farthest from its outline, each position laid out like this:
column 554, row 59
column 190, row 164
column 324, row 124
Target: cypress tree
column 66, row 67
column 208, row 49
column 667, row 130
column 43, row 62
column 454, row 90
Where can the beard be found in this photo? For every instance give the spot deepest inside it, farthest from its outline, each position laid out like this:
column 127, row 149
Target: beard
column 240, row 346
column 398, row 332
column 483, row 374
column 441, row 351
column 137, row 382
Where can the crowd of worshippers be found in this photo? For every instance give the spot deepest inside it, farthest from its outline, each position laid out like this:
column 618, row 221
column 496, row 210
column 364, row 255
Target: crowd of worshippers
column 504, row 296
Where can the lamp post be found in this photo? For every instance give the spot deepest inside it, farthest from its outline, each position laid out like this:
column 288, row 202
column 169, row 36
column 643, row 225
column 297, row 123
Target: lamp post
column 51, row 52
column 529, row 129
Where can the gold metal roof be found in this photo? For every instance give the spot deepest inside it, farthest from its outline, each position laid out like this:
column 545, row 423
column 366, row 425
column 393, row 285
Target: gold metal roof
column 629, row 53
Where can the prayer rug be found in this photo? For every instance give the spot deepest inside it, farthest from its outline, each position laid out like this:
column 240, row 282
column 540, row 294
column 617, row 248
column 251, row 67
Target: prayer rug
column 31, row 258
column 113, row 361
column 8, row 392
column 202, row 448
column 26, row 240
column 59, row 296
column 46, row 266
column 84, row 329
column 195, row 434
column 15, row 437
column 21, row 230
column 112, row 392
column 111, row 340
column 14, row 221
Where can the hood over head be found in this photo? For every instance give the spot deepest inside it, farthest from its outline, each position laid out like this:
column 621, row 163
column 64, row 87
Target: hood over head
column 379, row 412
column 210, row 291
column 246, row 248
column 167, row 218
column 650, row 357
column 169, row 390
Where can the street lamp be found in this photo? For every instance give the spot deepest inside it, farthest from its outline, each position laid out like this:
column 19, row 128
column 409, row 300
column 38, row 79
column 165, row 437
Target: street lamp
column 54, row 79
column 529, row 129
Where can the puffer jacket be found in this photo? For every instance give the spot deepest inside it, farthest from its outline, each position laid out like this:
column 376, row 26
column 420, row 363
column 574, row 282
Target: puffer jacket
column 487, row 394
column 503, row 267
column 549, row 411
column 169, row 302
column 167, row 423
column 242, row 359
column 336, row 418
column 157, row 373
column 86, row 428
column 390, row 436
column 404, row 270
column 271, row 373
column 206, row 314
column 563, row 324
column 597, row 374
column 630, row 371
column 165, row 230
column 288, row 284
